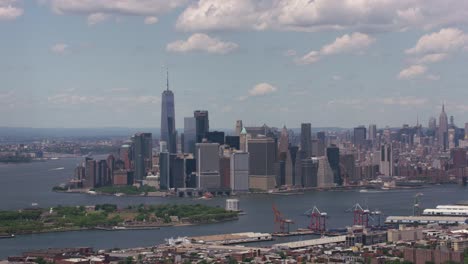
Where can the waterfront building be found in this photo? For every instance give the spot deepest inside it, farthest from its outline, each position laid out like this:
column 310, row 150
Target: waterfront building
column 90, row 173
column 309, row 169
column 386, row 160
column 291, row 167
column 239, row 171
column 190, row 172
column 168, row 131
column 225, row 172
column 190, row 134
column 306, row 137
column 177, row 171
column 262, row 163
column 164, row 167
column 325, row 176
column 348, row 163
column 143, row 154
column 333, row 156
column 102, row 172
column 111, row 166
column 207, row 156
column 202, row 125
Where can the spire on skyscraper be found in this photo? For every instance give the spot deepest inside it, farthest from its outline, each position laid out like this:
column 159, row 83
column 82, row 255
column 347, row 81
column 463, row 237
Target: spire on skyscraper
column 167, row 79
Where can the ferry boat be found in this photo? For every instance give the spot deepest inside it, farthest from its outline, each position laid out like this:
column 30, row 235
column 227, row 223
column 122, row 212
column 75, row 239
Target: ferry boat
column 448, row 210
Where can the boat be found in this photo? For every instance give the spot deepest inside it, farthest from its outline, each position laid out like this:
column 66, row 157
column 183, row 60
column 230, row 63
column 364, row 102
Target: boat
column 207, row 195
column 34, row 204
column 6, row 236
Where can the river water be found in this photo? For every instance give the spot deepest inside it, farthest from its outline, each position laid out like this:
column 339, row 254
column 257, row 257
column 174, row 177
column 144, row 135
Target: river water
column 23, row 184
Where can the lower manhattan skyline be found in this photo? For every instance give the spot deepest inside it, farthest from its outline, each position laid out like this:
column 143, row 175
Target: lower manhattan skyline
column 89, row 61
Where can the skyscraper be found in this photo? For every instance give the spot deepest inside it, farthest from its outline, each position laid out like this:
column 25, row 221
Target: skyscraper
column 333, row 155
column 359, row 138
column 262, row 162
column 321, row 144
column 202, row 124
column 239, row 171
column 386, row 160
column 306, row 140
column 284, row 141
column 143, row 154
column 466, row 131
column 207, row 156
column 372, row 132
column 164, row 167
column 324, row 173
column 443, row 129
column 239, row 127
column 190, row 134
column 168, row 132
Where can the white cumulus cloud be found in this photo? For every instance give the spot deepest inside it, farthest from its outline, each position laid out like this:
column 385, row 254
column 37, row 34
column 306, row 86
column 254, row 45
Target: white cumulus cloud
column 151, row 20
column 432, row 58
column 446, row 40
column 348, row 43
column 412, row 71
column 262, row 89
column 202, row 42
column 306, row 15
column 96, row 18
column 9, row 10
column 144, row 8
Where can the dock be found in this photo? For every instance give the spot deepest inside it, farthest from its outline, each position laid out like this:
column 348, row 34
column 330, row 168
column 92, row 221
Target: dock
column 447, row 220
column 234, row 238
column 310, row 243
column 296, row 233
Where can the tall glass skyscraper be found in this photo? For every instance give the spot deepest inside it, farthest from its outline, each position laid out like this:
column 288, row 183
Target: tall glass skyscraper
column 168, row 132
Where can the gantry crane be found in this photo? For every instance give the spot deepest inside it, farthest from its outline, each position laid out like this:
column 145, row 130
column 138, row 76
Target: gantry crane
column 317, row 220
column 282, row 224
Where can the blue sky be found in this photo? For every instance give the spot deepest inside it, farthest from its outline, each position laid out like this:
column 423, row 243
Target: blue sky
column 89, row 63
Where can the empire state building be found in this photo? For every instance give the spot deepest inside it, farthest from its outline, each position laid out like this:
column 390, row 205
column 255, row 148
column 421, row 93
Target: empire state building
column 443, row 129
column 168, row 132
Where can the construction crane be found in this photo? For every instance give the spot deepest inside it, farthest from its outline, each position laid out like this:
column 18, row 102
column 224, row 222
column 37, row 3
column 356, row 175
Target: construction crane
column 417, row 204
column 361, row 216
column 281, row 224
column 317, row 220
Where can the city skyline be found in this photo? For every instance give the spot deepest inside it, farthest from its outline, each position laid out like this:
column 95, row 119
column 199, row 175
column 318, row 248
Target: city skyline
column 100, row 65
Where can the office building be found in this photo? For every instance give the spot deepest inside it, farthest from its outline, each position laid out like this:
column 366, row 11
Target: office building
column 458, row 157
column 372, row 132
column 164, row 168
column 90, row 173
column 262, row 161
column 333, row 155
column 291, row 166
column 239, row 127
column 233, row 142
column 190, row 134
column 111, row 166
column 202, row 125
column 142, row 155
column 386, row 160
column 348, row 165
column 243, row 140
column 125, row 154
column 168, row 131
column 225, row 172
column 215, row 137
column 190, row 172
column 321, row 144
column 443, row 129
column 309, row 169
column 283, row 141
column 325, row 176
column 306, row 139
column 207, row 156
column 359, row 136
column 466, row 131
column 102, row 171
column 177, row 171
column 239, row 172
column 451, row 137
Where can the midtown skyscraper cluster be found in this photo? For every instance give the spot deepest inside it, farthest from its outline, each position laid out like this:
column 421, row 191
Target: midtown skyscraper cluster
column 267, row 158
